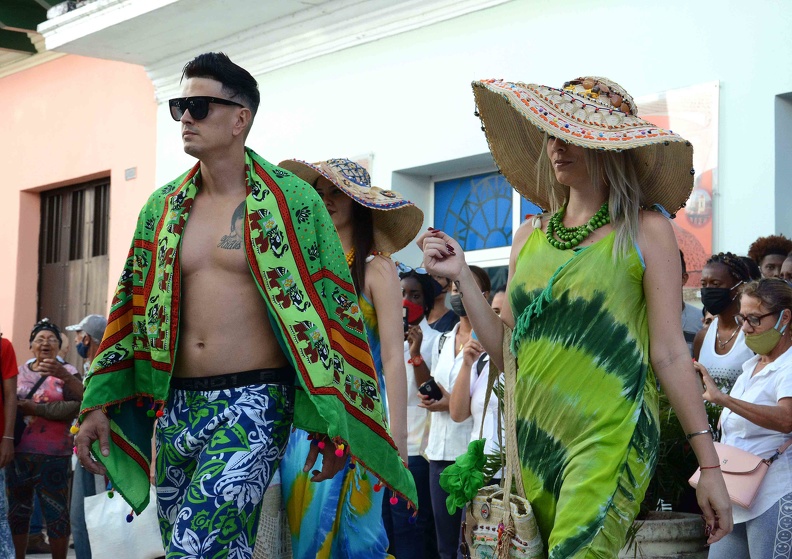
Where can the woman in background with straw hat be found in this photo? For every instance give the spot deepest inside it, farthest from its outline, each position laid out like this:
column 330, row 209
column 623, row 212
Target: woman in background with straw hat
column 342, row 517
column 594, row 296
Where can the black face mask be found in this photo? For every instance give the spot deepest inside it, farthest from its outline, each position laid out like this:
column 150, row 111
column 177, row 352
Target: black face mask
column 717, row 299
column 457, row 306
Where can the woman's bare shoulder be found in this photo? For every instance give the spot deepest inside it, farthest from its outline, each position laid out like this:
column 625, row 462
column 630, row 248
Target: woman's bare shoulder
column 527, row 227
column 381, row 264
column 656, row 237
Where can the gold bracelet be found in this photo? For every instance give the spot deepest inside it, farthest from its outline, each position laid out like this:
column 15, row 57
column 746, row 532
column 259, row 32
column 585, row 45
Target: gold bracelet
column 691, row 435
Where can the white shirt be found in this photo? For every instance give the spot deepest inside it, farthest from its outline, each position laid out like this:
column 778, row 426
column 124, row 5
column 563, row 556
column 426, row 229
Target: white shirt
column 417, row 417
column 447, row 438
column 478, row 391
column 765, row 388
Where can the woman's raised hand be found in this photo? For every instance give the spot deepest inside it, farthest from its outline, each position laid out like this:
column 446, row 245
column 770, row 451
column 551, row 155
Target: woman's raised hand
column 442, row 254
column 471, row 351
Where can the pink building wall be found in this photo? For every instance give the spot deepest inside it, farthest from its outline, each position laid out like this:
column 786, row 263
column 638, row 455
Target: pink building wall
column 65, row 122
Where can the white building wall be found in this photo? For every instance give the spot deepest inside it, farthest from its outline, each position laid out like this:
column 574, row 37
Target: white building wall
column 407, row 99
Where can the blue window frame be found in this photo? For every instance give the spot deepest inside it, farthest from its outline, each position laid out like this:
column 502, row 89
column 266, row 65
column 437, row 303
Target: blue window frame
column 477, row 210
column 528, row 208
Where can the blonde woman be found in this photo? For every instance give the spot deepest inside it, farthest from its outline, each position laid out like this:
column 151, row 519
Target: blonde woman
column 594, row 297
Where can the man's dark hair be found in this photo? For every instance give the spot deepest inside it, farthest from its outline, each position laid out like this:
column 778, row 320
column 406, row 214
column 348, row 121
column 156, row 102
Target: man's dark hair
column 772, row 244
column 236, row 80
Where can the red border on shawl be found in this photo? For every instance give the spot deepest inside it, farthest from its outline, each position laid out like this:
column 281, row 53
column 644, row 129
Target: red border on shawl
column 313, row 297
column 129, row 450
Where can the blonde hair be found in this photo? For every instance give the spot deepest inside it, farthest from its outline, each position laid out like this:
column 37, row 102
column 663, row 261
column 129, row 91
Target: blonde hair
column 613, row 170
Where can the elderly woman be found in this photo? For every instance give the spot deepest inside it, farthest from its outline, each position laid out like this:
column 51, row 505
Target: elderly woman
column 594, row 296
column 49, row 393
column 757, row 417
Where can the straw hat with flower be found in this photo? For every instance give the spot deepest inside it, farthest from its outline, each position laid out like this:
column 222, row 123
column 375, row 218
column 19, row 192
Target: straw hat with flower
column 591, row 112
column 396, row 220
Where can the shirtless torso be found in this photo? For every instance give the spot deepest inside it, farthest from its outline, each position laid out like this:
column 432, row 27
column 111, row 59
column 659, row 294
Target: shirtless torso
column 224, row 326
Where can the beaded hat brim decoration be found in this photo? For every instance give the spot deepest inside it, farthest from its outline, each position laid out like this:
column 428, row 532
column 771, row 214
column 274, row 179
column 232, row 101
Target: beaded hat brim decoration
column 396, row 220
column 591, row 112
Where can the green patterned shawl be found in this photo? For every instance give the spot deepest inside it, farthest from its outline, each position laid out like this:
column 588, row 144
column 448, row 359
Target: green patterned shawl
column 297, row 262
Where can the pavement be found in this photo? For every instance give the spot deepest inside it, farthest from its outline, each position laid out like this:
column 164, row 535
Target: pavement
column 70, row 555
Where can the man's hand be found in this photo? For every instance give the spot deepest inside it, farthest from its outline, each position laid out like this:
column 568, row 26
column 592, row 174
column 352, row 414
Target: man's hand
column 331, row 464
column 95, row 426
column 6, row 452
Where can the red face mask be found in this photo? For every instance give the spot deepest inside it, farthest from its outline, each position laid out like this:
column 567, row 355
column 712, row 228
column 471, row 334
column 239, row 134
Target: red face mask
column 415, row 311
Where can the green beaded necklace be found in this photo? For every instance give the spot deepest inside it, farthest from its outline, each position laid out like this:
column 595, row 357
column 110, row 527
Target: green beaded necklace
column 573, row 236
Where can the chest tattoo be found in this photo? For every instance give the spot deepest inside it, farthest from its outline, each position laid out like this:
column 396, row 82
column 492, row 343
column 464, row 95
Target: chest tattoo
column 233, row 241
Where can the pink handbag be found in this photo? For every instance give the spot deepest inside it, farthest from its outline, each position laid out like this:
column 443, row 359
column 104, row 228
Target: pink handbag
column 742, row 471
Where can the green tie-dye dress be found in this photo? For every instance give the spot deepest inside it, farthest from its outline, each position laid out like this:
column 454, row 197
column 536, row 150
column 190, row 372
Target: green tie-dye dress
column 586, row 396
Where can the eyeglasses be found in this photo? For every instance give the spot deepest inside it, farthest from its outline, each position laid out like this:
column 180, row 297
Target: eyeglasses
column 405, row 269
column 48, row 341
column 754, row 321
column 198, row 106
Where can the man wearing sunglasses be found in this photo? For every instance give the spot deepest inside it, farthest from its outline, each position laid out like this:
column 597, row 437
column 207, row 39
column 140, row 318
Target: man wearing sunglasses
column 220, row 331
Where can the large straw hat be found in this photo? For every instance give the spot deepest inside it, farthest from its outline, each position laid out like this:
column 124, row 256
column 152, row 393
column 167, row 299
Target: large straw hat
column 396, row 219
column 591, row 112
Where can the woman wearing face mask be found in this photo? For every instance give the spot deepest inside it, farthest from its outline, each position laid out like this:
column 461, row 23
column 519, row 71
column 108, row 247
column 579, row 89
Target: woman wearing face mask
column 721, row 347
column 342, row 517
column 757, row 417
column 414, row 538
column 447, row 438
column 441, row 318
column 470, row 391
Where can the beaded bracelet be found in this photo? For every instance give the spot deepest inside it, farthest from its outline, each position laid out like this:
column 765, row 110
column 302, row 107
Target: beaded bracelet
column 691, row 435
column 708, row 467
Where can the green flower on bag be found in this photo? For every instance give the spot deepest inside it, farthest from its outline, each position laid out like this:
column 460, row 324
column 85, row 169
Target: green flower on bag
column 462, row 479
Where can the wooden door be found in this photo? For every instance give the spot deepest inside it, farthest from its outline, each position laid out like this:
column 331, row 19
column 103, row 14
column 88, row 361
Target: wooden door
column 73, row 260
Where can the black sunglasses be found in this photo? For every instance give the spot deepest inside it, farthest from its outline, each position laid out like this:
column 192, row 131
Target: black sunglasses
column 198, row 106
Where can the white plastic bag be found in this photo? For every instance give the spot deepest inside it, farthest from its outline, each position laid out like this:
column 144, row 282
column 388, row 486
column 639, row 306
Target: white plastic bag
column 112, row 536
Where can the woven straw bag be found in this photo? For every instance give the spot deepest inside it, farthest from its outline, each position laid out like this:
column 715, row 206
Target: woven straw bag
column 491, row 528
